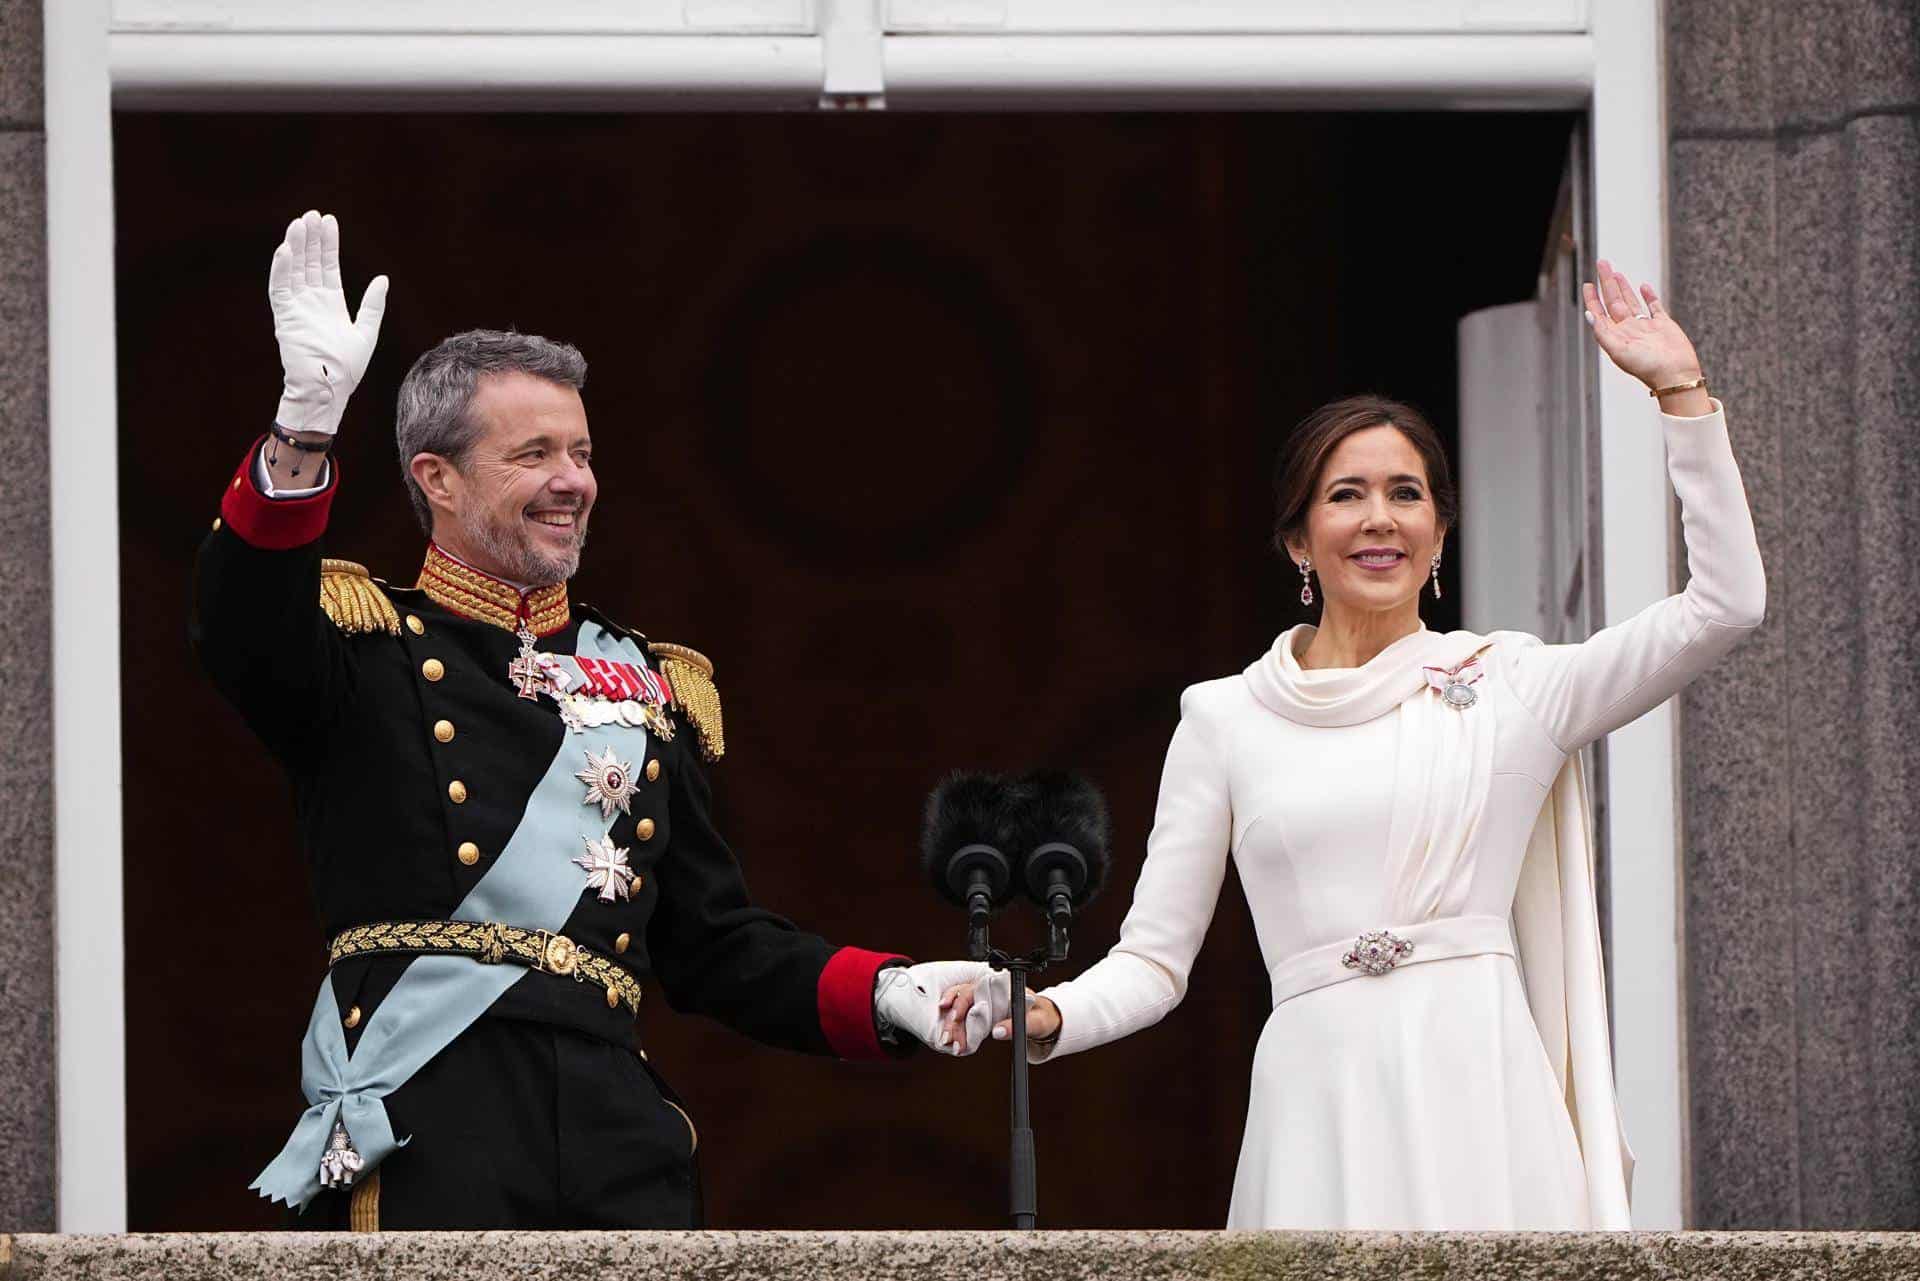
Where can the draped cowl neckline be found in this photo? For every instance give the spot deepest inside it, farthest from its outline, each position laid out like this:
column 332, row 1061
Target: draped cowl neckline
column 1331, row 696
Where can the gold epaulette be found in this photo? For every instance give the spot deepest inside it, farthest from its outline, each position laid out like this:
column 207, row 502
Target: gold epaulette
column 354, row 601
column 691, row 674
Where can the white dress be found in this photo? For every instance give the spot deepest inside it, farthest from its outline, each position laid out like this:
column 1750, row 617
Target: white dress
column 1469, row 1085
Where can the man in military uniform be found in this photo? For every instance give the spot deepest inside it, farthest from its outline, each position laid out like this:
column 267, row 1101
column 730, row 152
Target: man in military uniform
column 501, row 797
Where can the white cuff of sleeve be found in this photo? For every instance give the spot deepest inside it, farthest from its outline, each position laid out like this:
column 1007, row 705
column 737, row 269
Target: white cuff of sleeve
column 264, row 481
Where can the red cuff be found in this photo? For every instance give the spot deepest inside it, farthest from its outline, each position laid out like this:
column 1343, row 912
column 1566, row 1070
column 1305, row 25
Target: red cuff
column 275, row 524
column 846, row 1002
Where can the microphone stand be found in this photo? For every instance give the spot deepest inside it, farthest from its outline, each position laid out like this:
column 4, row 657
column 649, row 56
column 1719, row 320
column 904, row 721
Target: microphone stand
column 1023, row 1174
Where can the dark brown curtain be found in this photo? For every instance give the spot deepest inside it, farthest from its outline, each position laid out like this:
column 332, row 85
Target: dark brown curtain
column 947, row 437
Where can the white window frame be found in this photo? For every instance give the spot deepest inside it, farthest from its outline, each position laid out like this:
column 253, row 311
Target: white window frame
column 1612, row 70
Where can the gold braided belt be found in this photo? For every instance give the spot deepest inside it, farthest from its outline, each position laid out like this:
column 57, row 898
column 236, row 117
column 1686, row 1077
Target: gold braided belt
column 490, row 943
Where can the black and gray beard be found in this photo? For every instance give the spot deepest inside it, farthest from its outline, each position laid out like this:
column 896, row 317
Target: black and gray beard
column 509, row 546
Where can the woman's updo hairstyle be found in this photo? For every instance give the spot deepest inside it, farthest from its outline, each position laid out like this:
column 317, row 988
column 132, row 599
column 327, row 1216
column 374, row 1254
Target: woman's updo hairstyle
column 1296, row 473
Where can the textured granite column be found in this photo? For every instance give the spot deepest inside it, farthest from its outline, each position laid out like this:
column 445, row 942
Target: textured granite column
column 1795, row 207
column 26, row 713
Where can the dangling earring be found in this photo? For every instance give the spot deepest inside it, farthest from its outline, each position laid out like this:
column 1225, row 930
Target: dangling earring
column 1306, row 581
column 1436, row 575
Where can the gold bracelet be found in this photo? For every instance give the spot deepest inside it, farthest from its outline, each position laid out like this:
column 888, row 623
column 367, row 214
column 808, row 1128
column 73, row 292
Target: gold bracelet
column 1658, row 392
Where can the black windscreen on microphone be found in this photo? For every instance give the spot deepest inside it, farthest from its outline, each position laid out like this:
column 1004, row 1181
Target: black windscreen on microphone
column 1064, row 844
column 967, row 844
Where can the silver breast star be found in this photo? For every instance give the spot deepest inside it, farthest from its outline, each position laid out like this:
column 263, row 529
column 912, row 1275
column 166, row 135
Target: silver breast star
column 609, row 783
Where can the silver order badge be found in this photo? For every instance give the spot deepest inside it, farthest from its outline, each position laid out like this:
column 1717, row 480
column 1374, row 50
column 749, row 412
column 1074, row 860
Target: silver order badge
column 340, row 1162
column 1456, row 684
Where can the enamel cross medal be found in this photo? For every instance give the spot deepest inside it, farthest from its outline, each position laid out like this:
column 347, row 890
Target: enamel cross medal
column 524, row 671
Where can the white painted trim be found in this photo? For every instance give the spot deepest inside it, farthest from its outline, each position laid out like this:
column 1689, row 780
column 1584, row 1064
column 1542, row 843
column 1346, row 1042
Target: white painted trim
column 250, row 71
column 1235, row 17
column 90, row 1051
column 1338, row 72
column 177, row 71
column 854, row 49
column 1629, row 196
column 465, row 17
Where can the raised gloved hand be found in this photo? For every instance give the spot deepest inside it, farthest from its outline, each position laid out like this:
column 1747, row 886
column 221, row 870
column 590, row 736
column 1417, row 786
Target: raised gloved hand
column 323, row 351
column 908, row 1000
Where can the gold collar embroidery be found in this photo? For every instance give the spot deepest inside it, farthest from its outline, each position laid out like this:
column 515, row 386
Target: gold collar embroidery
column 471, row 594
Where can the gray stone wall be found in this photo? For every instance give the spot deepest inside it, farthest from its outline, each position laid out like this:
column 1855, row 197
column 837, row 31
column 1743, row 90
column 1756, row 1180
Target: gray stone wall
column 26, row 707
column 975, row 1256
column 1795, row 207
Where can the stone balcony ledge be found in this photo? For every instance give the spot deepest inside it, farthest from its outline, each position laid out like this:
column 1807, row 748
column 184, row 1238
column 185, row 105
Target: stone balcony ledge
column 968, row 1256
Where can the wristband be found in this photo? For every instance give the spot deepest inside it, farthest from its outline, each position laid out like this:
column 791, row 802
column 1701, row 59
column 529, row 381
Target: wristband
column 281, row 436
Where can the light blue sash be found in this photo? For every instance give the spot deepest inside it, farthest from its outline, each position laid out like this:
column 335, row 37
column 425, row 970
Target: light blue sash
column 533, row 884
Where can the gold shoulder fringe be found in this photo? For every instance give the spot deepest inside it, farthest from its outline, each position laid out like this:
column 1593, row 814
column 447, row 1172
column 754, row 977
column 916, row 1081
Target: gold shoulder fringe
column 691, row 674
column 354, row 601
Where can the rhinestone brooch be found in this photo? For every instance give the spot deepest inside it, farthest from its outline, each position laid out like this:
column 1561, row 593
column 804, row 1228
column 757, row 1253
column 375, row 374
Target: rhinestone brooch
column 1376, row 952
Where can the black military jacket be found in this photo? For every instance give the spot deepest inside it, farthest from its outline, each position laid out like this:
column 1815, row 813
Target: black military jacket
column 412, row 758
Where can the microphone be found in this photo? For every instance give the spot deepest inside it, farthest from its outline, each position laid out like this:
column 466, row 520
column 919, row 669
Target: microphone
column 971, row 822
column 1064, row 848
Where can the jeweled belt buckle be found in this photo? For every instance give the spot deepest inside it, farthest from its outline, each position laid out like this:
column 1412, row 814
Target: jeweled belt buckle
column 558, row 955
column 1376, row 952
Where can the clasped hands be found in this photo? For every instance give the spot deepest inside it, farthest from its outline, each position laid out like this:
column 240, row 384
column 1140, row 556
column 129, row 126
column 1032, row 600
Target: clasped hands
column 954, row 1007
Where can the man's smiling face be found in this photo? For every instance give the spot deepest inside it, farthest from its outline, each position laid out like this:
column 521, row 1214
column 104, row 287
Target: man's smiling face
column 522, row 493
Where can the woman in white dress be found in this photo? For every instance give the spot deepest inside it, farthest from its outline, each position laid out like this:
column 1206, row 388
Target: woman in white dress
column 1410, row 824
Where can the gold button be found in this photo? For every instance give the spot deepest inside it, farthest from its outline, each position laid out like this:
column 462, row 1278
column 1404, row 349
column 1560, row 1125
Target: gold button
column 353, row 1017
column 415, row 626
column 621, row 944
column 613, row 998
column 443, row 730
column 236, row 482
column 644, row 829
column 433, row 669
column 457, row 792
column 469, row 853
column 653, row 770
column 216, row 524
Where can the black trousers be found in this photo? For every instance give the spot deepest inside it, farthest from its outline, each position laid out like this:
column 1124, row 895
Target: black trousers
column 526, row 1125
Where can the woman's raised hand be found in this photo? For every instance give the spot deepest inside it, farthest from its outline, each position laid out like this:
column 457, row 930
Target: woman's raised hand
column 1648, row 345
column 1043, row 1016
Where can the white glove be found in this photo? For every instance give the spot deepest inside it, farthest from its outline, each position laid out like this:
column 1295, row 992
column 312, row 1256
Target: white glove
column 323, row 351
column 907, row 999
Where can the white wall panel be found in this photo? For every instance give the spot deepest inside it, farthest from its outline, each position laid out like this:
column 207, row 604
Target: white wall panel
column 1504, row 481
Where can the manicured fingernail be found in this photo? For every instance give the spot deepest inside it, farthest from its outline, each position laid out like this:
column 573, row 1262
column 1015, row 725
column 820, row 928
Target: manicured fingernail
column 1588, row 315
column 1000, row 1034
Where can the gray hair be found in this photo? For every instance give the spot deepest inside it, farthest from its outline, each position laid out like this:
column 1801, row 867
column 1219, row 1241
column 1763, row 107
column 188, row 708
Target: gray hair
column 438, row 391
